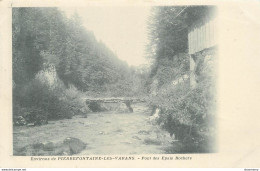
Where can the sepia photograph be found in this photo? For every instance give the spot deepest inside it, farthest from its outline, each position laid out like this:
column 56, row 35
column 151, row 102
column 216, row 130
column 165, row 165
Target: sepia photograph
column 129, row 84
column 114, row 80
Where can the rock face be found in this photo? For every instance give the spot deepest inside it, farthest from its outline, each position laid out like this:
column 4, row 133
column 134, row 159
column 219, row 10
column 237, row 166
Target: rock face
column 69, row 146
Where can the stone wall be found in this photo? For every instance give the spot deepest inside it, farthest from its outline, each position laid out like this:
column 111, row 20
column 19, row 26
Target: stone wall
column 203, row 60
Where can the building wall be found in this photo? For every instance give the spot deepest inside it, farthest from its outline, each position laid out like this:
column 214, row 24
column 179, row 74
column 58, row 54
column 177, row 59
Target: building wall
column 202, row 35
column 202, row 43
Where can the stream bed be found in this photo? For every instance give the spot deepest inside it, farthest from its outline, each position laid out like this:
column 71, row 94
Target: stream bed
column 103, row 133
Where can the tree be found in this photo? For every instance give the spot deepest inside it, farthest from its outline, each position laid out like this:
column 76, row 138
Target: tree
column 45, row 35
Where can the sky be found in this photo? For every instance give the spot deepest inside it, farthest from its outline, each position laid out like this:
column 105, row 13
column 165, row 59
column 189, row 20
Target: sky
column 123, row 29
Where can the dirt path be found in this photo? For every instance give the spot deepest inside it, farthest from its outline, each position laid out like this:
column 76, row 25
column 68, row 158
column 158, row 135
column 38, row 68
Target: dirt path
column 104, row 133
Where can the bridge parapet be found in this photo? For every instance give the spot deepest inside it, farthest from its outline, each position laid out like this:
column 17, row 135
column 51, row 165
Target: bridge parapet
column 114, row 100
column 96, row 103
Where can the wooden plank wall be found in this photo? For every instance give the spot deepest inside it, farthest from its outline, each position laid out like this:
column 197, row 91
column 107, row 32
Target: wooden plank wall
column 202, row 36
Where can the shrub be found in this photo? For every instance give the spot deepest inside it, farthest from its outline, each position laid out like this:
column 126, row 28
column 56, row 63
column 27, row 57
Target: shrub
column 18, row 114
column 46, row 98
column 75, row 101
column 35, row 116
column 39, row 103
column 189, row 114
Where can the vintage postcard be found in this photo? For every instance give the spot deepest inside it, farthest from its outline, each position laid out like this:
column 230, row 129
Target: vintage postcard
column 129, row 84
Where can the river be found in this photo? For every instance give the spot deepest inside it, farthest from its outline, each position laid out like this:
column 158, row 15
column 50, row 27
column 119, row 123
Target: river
column 104, row 133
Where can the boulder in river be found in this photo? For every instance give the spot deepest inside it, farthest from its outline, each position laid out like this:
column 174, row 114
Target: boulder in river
column 49, row 146
column 19, row 121
column 75, row 145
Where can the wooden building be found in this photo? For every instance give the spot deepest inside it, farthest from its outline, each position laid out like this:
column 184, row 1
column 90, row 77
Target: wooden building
column 202, row 35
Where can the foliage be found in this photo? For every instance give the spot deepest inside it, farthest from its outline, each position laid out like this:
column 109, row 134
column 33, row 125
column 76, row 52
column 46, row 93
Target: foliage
column 55, row 60
column 46, row 35
column 38, row 102
column 168, row 31
column 75, row 101
column 186, row 113
column 41, row 100
column 172, row 69
column 131, row 85
column 168, row 35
